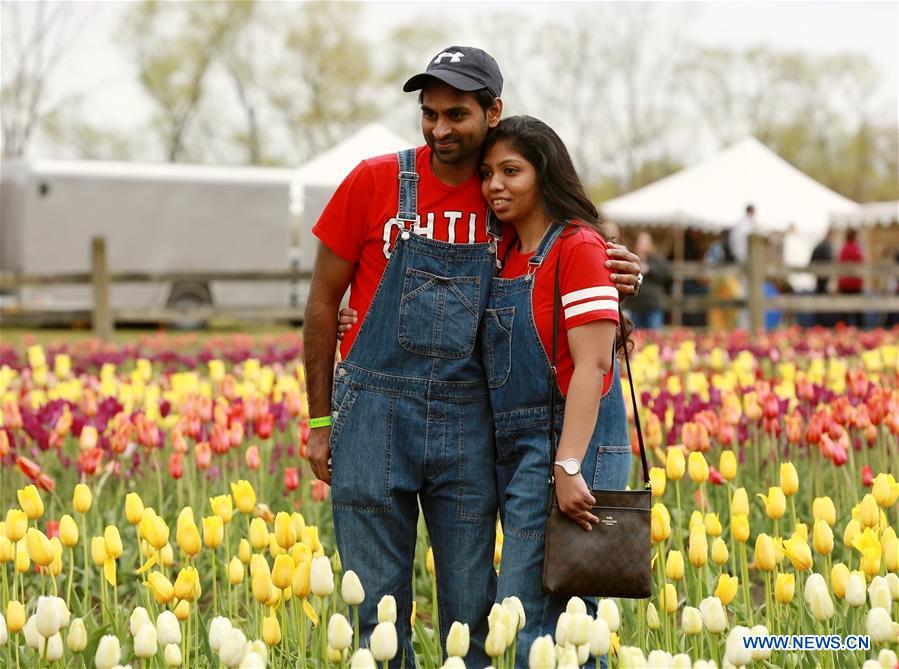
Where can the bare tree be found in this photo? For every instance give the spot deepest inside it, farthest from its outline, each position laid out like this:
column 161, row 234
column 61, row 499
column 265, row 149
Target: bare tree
column 35, row 37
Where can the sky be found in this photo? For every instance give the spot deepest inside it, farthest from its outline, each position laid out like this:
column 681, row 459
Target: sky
column 98, row 67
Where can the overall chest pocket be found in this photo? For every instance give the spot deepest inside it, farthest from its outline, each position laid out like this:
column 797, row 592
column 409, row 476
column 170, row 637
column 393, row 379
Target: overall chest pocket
column 496, row 338
column 439, row 315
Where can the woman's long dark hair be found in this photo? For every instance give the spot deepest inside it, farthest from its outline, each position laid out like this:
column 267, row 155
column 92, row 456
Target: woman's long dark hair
column 563, row 194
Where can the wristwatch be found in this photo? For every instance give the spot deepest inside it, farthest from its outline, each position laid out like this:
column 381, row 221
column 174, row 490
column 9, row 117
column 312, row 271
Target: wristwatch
column 570, row 466
column 639, row 284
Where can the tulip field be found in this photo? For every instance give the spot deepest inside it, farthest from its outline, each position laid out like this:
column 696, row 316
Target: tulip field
column 157, row 511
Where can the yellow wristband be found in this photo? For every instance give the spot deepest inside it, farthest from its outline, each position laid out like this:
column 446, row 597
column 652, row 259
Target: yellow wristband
column 324, row 421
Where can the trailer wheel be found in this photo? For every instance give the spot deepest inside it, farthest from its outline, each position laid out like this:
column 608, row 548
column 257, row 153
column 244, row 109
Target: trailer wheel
column 187, row 298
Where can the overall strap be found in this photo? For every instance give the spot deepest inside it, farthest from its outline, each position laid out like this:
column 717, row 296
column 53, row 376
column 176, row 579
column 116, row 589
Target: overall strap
column 494, row 227
column 549, row 237
column 407, row 207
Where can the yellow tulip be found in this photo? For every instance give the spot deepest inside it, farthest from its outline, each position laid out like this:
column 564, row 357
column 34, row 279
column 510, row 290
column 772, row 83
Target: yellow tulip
column 299, row 523
column 868, row 544
column 182, row 611
column 301, row 584
column 658, row 481
column 310, row 538
column 236, row 571
column 113, row 541
column 801, row 529
column 23, row 562
column 244, row 496
column 154, row 530
column 839, row 576
column 262, row 583
column 258, row 534
column 213, row 531
column 674, row 566
column 822, row 538
column 244, row 551
column 727, row 588
column 16, row 524
column 799, row 553
column 134, row 508
column 55, row 567
column 823, row 509
column 223, row 507
column 789, row 479
column 720, row 553
column 712, row 525
column 869, row 512
column 885, row 490
column 15, row 616
column 668, row 599
column 98, row 551
column 698, row 467
column 765, row 553
column 727, row 465
column 891, row 552
column 785, row 588
column 161, row 586
column 39, row 548
column 739, row 505
column 167, row 555
column 739, row 528
column 675, row 464
column 853, row 529
column 429, row 562
column 697, row 521
column 285, row 532
column 282, row 571
column 82, row 498
column 31, row 502
column 188, row 537
column 187, row 584
column 698, row 550
column 7, row 550
column 300, row 553
column 271, row 630
column 775, row 503
column 68, row 531
column 660, row 527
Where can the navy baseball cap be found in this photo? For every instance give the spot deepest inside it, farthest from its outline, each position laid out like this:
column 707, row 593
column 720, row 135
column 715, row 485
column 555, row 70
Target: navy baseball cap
column 463, row 67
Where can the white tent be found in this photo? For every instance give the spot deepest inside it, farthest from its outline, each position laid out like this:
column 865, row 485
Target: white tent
column 330, row 168
column 868, row 215
column 713, row 195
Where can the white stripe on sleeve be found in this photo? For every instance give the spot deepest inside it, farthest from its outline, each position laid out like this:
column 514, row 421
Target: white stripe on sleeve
column 595, row 305
column 609, row 292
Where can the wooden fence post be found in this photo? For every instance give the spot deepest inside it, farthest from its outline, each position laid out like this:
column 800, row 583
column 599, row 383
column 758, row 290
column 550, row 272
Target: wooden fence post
column 755, row 279
column 102, row 315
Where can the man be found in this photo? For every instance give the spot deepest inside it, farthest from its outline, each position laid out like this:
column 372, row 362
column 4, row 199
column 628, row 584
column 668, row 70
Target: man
column 647, row 310
column 738, row 236
column 409, row 420
column 796, row 254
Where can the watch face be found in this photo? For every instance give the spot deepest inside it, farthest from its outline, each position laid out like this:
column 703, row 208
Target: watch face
column 572, row 467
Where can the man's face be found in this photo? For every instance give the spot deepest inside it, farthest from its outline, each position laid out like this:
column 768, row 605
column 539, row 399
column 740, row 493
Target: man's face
column 453, row 123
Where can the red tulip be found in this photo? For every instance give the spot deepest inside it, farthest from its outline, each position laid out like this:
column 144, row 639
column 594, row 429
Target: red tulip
column 794, row 427
column 30, row 468
column 291, row 478
column 176, row 466
column 715, row 476
column 203, row 455
column 11, row 416
column 4, row 443
column 867, row 476
column 44, row 482
column 252, row 457
column 695, row 437
column 179, row 444
column 235, row 436
column 319, row 491
column 89, row 461
column 264, row 425
column 304, row 431
column 52, row 529
column 219, row 440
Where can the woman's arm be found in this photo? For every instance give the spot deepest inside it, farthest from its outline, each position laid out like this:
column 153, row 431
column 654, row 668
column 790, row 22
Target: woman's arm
column 591, row 347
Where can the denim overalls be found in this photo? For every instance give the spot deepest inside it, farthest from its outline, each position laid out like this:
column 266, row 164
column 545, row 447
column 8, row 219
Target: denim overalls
column 518, row 372
column 412, row 423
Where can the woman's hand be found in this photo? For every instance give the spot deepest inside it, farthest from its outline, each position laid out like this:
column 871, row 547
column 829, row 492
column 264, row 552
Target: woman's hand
column 575, row 500
column 346, row 318
column 625, row 267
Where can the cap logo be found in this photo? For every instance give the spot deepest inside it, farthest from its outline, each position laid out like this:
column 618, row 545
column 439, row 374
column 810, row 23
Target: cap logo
column 454, row 57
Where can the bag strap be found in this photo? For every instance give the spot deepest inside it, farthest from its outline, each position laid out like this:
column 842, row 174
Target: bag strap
column 557, row 299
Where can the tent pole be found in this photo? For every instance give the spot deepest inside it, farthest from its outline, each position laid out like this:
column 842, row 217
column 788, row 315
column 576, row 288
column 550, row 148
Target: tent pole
column 677, row 285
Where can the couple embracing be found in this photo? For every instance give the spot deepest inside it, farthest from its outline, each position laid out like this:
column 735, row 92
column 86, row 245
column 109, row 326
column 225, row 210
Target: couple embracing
column 456, row 254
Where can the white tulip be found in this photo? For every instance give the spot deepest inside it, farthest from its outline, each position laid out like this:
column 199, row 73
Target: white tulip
column 351, row 589
column 258, row 646
column 681, row 661
column 233, row 648
column 713, row 615
column 458, row 640
column 579, row 629
column 145, row 641
column 33, row 638
column 887, row 659
column 576, row 605
column 562, row 628
column 49, row 616
column 893, row 582
column 4, row 633
column 658, row 659
column 252, row 660
column 880, row 626
column 53, row 649
column 383, row 641
column 168, row 629
column 872, row 664
column 855, row 589
column 340, row 632
column 172, row 655
column 814, row 582
column 631, row 658
column 652, row 617
column 608, row 611
column 321, row 578
column 138, row 617
column 879, row 592
column 363, row 659
column 821, row 604
column 542, row 654
column 77, row 638
column 454, row 662
column 600, row 637
column 514, row 604
column 387, row 609
column 568, row 659
column 109, row 652
column 735, row 648
column 760, row 652
column 218, row 632
column 495, row 644
column 691, row 620
column 583, row 653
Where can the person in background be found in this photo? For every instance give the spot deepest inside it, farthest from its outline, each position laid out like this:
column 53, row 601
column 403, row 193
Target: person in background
column 795, row 254
column 823, row 252
column 647, row 310
column 851, row 252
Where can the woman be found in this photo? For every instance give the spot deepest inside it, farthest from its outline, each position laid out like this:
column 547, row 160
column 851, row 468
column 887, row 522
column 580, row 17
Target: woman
column 533, row 188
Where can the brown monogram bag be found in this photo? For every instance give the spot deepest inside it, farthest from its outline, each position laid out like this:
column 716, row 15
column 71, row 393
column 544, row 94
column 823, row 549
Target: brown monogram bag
column 613, row 560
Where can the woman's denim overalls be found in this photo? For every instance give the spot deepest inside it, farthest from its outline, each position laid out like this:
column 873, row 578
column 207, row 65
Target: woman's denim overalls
column 412, row 423
column 518, row 372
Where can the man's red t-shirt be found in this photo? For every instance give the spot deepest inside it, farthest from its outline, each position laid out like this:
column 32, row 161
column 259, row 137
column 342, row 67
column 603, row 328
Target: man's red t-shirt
column 851, row 252
column 586, row 288
column 358, row 224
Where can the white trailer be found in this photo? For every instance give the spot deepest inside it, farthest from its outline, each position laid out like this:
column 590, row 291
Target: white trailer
column 155, row 218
